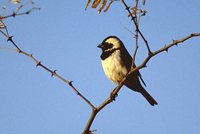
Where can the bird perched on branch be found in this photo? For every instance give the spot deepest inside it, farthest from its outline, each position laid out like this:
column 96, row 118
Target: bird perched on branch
column 117, row 62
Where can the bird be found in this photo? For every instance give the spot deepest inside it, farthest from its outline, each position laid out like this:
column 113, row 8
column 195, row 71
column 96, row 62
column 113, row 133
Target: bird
column 117, row 62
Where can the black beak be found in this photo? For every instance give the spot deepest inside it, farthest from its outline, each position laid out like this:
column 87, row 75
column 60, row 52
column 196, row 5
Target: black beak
column 100, row 45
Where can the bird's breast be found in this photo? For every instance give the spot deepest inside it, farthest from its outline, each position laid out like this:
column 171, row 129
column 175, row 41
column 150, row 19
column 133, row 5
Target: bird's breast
column 114, row 67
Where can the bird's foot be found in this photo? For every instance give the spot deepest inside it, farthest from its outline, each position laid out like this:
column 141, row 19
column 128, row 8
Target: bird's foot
column 113, row 95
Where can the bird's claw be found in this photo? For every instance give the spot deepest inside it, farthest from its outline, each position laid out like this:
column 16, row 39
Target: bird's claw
column 113, row 95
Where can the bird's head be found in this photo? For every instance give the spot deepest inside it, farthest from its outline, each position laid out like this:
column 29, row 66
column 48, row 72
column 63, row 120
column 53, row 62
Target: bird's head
column 110, row 43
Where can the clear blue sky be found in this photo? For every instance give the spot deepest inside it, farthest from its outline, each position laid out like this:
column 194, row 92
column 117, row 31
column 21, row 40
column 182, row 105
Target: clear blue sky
column 64, row 37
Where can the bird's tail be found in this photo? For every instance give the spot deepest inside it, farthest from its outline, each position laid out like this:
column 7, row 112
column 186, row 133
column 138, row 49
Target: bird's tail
column 148, row 97
column 134, row 84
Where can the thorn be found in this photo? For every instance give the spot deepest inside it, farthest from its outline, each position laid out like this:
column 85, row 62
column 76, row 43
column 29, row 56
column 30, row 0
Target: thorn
column 70, row 83
column 132, row 18
column 14, row 14
column 192, row 34
column 53, row 73
column 92, row 131
column 166, row 49
column 9, row 38
column 28, row 12
column 19, row 51
column 174, row 41
column 113, row 95
column 38, row 63
column 127, row 8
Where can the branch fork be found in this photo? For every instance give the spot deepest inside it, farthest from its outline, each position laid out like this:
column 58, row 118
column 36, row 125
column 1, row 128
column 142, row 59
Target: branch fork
column 113, row 94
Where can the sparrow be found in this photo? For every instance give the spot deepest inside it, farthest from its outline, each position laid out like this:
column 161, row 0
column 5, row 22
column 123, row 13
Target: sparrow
column 116, row 62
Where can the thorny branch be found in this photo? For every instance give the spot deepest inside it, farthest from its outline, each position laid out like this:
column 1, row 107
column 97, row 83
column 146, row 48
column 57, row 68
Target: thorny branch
column 96, row 110
column 136, row 26
column 52, row 72
column 133, row 18
column 14, row 14
column 136, row 33
column 37, row 62
column 18, row 11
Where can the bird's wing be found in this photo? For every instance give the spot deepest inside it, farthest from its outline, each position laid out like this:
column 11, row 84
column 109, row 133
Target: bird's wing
column 128, row 62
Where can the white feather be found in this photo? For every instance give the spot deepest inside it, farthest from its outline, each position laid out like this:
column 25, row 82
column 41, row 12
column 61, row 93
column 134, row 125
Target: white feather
column 113, row 68
column 114, row 41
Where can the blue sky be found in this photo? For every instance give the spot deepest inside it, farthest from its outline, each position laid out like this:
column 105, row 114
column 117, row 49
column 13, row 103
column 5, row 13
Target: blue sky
column 64, row 37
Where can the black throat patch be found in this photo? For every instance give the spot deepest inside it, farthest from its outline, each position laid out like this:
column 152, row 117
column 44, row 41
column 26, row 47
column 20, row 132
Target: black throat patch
column 106, row 54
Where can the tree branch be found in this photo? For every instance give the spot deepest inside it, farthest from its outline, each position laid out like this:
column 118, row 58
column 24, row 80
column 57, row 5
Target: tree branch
column 111, row 98
column 52, row 72
column 137, row 27
column 14, row 14
column 136, row 34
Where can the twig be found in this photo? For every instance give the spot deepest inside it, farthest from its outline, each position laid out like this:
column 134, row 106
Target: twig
column 136, row 34
column 96, row 110
column 166, row 48
column 52, row 72
column 14, row 14
column 137, row 28
column 23, row 5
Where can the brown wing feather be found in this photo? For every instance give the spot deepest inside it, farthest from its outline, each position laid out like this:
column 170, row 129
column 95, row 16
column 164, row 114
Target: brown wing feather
column 133, row 81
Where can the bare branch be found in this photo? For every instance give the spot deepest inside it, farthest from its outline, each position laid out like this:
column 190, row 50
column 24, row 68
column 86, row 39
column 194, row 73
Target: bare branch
column 111, row 98
column 136, row 26
column 136, row 34
column 52, row 72
column 163, row 49
column 14, row 14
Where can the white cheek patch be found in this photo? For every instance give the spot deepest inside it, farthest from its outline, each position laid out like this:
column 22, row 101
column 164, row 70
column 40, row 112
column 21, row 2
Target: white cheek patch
column 114, row 41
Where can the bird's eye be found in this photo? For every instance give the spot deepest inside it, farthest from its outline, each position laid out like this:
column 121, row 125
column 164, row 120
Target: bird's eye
column 108, row 46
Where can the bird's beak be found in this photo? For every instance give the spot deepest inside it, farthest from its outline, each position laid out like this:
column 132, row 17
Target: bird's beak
column 100, row 45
